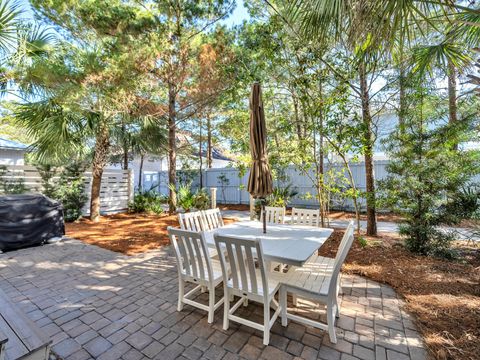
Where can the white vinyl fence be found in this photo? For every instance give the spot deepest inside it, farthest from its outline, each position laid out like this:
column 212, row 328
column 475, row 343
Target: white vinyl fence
column 115, row 194
column 231, row 188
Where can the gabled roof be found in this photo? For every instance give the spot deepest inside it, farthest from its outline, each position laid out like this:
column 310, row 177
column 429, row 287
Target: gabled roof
column 11, row 145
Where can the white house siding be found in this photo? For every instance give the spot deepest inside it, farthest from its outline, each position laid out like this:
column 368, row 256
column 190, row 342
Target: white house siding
column 12, row 157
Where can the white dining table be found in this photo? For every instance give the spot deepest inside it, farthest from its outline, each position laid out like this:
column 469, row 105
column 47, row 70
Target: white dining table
column 283, row 243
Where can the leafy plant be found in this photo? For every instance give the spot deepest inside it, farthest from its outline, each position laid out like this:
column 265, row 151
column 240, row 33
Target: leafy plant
column 425, row 166
column 185, row 197
column 47, row 174
column 201, row 200
column 281, row 196
column 10, row 185
column 362, row 241
column 147, row 201
column 70, row 191
column 463, row 204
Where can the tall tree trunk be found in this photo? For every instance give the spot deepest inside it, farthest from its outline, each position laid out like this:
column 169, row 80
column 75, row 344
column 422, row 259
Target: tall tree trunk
column 99, row 161
column 402, row 89
column 200, row 153
column 172, row 150
column 452, row 95
column 321, row 154
column 368, row 148
column 124, row 147
column 140, row 172
column 209, row 142
column 297, row 117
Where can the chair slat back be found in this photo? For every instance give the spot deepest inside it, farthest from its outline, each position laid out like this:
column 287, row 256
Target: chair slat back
column 241, row 262
column 274, row 215
column 193, row 258
column 308, row 217
column 192, row 221
column 342, row 253
column 213, row 219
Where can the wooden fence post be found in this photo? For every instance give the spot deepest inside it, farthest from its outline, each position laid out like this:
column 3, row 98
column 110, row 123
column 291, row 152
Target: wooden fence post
column 213, row 197
column 252, row 208
column 131, row 185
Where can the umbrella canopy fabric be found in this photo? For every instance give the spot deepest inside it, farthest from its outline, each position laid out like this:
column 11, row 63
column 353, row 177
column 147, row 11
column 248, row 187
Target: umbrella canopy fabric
column 260, row 179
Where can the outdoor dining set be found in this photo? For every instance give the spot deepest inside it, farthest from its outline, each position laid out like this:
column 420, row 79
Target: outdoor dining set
column 257, row 266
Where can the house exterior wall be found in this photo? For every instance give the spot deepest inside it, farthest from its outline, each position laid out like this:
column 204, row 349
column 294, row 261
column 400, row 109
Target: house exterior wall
column 12, row 157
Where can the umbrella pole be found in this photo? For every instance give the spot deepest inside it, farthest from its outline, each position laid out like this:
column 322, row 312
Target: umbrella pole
column 264, row 217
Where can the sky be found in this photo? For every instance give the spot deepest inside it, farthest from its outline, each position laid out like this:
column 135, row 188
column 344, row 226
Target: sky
column 239, row 14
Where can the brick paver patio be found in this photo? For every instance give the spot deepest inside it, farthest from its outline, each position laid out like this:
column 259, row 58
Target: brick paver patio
column 95, row 303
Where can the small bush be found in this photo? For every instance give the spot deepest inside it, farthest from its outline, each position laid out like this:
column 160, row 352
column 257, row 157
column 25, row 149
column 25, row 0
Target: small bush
column 147, row 201
column 362, row 241
column 9, row 185
column 185, row 197
column 281, row 196
column 70, row 191
column 201, row 200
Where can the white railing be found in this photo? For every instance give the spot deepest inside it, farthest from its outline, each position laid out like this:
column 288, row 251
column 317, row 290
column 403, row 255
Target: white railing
column 115, row 193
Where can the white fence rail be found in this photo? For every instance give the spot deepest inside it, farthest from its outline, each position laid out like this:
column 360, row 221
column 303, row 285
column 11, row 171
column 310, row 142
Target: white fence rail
column 115, row 193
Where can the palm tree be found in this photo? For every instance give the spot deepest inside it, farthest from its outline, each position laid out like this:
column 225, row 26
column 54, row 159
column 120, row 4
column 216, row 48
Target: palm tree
column 448, row 56
column 371, row 27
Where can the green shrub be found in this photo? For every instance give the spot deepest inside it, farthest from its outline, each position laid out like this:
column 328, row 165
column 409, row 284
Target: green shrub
column 70, row 191
column 9, row 185
column 201, row 200
column 147, row 201
column 185, row 197
column 47, row 174
column 463, row 204
column 362, row 241
column 281, row 196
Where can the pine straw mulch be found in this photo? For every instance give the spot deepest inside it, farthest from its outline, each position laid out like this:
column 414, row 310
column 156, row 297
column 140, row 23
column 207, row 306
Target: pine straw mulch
column 125, row 233
column 444, row 296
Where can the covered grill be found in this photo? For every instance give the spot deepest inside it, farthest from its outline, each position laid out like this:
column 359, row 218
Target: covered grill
column 27, row 220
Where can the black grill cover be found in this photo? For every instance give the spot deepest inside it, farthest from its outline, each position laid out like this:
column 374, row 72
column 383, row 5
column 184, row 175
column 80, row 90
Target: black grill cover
column 27, row 220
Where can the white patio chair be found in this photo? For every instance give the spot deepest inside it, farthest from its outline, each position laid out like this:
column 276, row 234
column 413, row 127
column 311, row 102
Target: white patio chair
column 273, row 215
column 308, row 217
column 319, row 280
column 195, row 265
column 212, row 219
column 192, row 221
column 247, row 282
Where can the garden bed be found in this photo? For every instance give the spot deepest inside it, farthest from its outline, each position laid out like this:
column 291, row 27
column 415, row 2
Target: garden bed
column 125, row 233
column 444, row 296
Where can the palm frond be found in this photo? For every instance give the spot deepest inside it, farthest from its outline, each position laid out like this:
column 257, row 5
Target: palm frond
column 57, row 132
column 9, row 17
column 466, row 27
column 426, row 57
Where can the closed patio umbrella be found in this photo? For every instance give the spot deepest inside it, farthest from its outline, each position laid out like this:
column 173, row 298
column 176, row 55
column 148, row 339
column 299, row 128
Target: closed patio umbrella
column 260, row 179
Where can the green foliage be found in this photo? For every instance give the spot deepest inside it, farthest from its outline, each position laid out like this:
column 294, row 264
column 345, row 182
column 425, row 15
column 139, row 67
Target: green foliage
column 47, row 174
column 464, row 203
column 70, row 191
column 362, row 241
column 147, row 201
column 9, row 185
column 281, row 196
column 201, row 200
column 185, row 196
column 425, row 168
